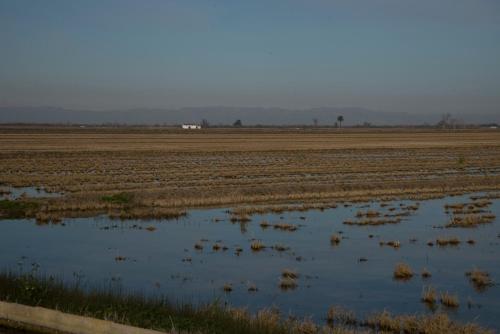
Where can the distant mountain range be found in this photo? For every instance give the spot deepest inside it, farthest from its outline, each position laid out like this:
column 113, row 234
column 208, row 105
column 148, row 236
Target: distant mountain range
column 227, row 115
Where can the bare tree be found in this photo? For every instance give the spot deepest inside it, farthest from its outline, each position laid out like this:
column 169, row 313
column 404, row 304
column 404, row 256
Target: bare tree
column 315, row 122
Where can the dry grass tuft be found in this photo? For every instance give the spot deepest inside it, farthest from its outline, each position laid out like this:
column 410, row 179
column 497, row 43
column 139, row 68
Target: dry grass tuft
column 394, row 244
column 43, row 218
column 257, row 245
column 438, row 323
column 429, row 295
column 452, row 241
column 287, row 283
column 480, row 279
column 289, row 273
column 449, row 300
column 240, row 218
column 280, row 247
column 264, row 224
column 338, row 315
column 368, row 214
column 471, row 220
column 285, row 227
column 471, row 241
column 402, row 271
column 335, row 239
column 426, row 273
column 372, row 222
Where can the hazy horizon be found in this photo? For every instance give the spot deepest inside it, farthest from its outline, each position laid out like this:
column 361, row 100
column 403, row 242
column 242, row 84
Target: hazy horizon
column 413, row 57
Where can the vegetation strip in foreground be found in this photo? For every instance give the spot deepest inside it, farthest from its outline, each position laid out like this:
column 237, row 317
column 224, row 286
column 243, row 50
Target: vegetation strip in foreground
column 160, row 314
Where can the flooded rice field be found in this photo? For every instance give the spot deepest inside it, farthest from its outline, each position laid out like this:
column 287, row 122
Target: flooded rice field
column 12, row 193
column 344, row 256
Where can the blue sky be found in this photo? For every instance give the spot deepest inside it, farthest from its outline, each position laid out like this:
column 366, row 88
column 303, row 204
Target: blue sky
column 395, row 55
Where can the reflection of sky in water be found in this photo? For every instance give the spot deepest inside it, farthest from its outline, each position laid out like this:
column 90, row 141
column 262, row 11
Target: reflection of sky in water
column 16, row 192
column 330, row 275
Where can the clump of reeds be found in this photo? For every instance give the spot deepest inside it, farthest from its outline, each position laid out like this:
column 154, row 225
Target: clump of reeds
column 338, row 315
column 449, row 300
column 438, row 323
column 402, row 271
column 455, row 206
column 278, row 209
column 150, row 228
column 471, row 220
column 163, row 315
column 452, row 241
column 5, row 192
column 280, row 247
column 264, row 224
column 43, row 218
column 285, row 227
column 289, row 273
column 394, row 244
column 227, row 287
column 198, row 245
column 481, row 203
column 372, row 222
column 368, row 214
column 335, row 239
column 426, row 273
column 429, row 295
column 257, row 245
column 411, row 207
column 147, row 213
column 480, row 279
column 217, row 246
column 240, row 218
column 287, row 283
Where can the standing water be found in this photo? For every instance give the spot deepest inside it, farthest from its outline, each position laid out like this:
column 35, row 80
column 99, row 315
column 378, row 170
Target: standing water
column 356, row 272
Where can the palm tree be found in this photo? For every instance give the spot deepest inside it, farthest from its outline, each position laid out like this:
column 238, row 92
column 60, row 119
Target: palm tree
column 340, row 119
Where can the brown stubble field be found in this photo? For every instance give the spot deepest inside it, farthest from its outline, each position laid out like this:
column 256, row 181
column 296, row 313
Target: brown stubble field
column 164, row 170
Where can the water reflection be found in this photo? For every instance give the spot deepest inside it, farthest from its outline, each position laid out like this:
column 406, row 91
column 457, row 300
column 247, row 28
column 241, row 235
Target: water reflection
column 198, row 257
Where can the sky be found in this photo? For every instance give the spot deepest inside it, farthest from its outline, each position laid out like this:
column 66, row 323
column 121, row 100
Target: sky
column 392, row 55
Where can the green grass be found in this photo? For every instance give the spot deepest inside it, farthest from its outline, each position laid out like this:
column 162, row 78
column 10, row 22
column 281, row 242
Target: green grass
column 16, row 208
column 120, row 198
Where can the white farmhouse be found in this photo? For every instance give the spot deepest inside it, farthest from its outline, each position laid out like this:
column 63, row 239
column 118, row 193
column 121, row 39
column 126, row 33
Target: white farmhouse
column 191, row 126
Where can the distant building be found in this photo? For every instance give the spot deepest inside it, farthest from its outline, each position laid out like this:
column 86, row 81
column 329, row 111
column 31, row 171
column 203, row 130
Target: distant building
column 191, row 126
